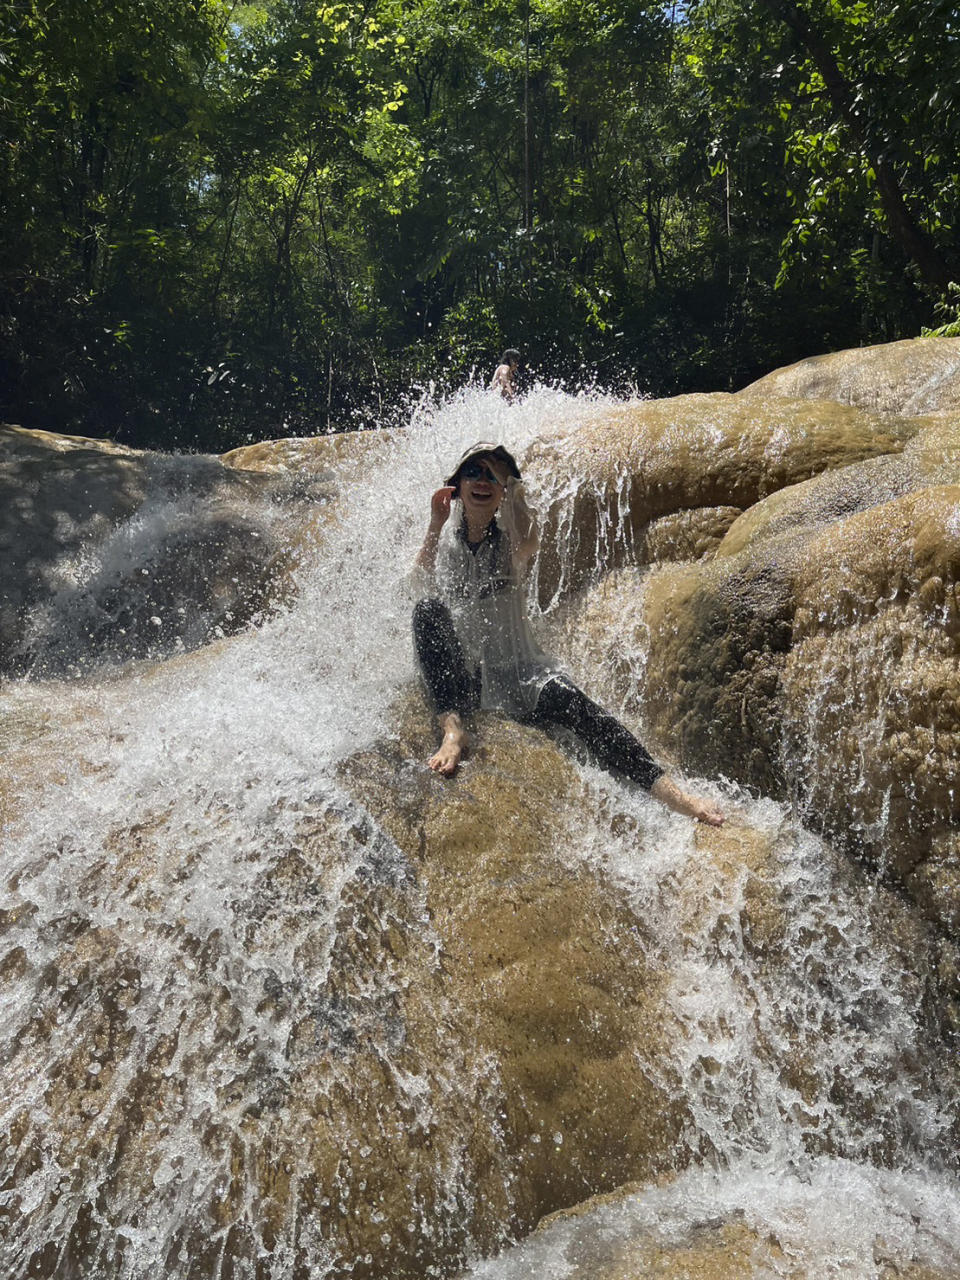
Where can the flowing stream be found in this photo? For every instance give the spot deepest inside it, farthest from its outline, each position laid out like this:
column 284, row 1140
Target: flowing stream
column 160, row 943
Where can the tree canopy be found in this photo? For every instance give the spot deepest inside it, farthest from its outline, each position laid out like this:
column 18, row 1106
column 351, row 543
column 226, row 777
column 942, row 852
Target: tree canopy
column 224, row 221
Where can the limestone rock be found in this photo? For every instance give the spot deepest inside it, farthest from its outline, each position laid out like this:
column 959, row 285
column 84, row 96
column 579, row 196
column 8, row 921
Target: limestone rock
column 307, row 454
column 731, row 1251
column 634, row 464
column 691, row 534
column 417, row 1031
column 870, row 684
column 812, row 652
column 816, row 655
column 410, row 1025
column 607, row 1238
column 110, row 552
column 546, row 962
column 354, row 1041
column 917, row 376
column 709, row 691
column 715, row 1250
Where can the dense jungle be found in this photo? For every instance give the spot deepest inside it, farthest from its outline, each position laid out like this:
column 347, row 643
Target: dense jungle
column 225, row 222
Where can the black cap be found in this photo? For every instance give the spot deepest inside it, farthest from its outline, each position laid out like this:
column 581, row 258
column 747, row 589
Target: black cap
column 484, row 447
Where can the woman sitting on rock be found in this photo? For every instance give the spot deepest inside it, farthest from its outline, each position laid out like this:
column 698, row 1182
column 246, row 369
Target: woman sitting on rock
column 473, row 637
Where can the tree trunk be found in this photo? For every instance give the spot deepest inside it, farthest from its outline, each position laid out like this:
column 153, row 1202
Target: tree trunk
column 904, row 228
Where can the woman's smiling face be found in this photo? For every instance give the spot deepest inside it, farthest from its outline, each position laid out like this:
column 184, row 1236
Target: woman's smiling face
column 483, row 481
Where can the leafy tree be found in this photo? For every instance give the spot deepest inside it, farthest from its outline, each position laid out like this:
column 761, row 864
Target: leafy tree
column 870, row 114
column 233, row 220
column 103, row 117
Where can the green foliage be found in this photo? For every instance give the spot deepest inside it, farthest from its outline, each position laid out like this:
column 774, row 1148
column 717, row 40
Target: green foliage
column 230, row 221
column 948, row 310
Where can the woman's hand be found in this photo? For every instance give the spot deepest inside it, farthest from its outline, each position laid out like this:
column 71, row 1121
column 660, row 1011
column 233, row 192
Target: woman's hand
column 439, row 514
column 520, row 523
column 440, row 507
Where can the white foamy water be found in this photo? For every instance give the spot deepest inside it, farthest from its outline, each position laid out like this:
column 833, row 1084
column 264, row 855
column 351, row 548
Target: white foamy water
column 826, row 1218
column 824, row 1137
column 288, row 700
column 219, row 759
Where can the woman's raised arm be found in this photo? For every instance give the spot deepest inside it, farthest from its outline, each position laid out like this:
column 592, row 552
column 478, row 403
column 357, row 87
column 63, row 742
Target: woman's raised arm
column 439, row 514
column 520, row 523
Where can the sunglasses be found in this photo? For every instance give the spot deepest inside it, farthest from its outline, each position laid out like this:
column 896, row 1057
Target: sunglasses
column 477, row 471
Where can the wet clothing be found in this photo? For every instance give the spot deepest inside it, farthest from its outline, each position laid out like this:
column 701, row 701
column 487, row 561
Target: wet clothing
column 450, row 685
column 487, row 605
column 476, row 651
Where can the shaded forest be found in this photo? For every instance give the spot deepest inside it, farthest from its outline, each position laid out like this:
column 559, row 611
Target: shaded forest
column 232, row 221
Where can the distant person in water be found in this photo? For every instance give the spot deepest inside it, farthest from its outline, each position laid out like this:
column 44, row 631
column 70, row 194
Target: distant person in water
column 504, row 378
column 473, row 638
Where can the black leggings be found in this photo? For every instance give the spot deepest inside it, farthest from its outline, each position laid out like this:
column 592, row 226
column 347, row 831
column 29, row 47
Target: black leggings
column 453, row 688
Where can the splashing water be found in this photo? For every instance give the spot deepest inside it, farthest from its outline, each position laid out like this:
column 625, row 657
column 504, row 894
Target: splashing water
column 187, row 907
column 830, row 1218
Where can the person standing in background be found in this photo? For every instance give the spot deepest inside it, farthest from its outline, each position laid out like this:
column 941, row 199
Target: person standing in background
column 504, row 378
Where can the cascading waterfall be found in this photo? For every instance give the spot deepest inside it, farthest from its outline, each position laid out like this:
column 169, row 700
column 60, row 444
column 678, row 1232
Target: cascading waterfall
column 204, row 940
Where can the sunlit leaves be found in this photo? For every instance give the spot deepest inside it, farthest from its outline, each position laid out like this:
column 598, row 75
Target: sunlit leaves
column 294, row 189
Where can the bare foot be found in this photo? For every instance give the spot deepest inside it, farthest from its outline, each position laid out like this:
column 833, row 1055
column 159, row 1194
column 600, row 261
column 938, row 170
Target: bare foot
column 667, row 791
column 446, row 760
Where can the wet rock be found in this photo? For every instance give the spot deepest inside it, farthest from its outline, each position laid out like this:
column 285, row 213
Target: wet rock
column 818, row 658
column 935, row 882
column 919, row 375
column 635, row 464
column 373, row 1030
column 716, row 1250
column 403, row 1024
column 106, row 552
column 717, row 649
column 326, row 455
column 325, row 1077
column 810, row 654
column 325, row 1088
column 384, row 1026
column 546, row 961
column 874, row 668
column 692, row 534
column 328, row 466
column 609, row 1237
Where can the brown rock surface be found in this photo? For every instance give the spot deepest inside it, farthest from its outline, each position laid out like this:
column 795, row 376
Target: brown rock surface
column 729, row 1252
column 310, row 454
column 691, row 534
column 336, row 462
column 919, row 375
column 418, row 1023
column 546, row 962
column 597, row 1240
column 632, row 465
column 417, row 1030
column 417, row 991
column 875, row 643
column 715, row 1251
column 816, row 652
column 106, row 551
